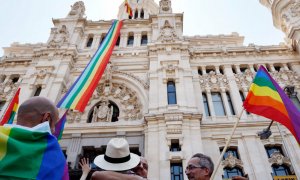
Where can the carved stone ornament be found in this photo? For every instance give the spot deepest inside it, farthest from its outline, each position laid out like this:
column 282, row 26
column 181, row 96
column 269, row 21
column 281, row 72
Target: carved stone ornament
column 167, row 33
column 244, row 79
column 278, row 159
column 60, row 37
column 213, row 81
column 290, row 16
column 77, row 10
column 232, row 161
column 131, row 107
column 165, row 6
column 74, row 116
column 103, row 113
column 7, row 89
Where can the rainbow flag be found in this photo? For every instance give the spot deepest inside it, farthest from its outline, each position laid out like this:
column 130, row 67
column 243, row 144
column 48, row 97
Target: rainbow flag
column 11, row 111
column 79, row 94
column 266, row 98
column 60, row 125
column 26, row 154
column 128, row 8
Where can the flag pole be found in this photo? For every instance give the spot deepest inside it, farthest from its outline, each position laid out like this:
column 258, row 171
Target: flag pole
column 227, row 143
column 286, row 150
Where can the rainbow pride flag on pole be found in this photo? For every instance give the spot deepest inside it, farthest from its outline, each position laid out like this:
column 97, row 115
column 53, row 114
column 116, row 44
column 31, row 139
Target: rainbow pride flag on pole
column 79, row 94
column 266, row 98
column 26, row 154
column 11, row 111
column 60, row 125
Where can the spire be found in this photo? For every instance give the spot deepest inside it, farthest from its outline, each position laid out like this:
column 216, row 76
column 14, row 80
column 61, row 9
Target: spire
column 165, row 7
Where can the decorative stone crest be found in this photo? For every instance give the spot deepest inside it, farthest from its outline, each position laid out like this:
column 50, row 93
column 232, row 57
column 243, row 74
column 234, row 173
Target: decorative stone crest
column 232, row 161
column 167, row 33
column 77, row 10
column 278, row 159
column 213, row 81
column 103, row 112
column 60, row 37
column 7, row 89
column 165, row 6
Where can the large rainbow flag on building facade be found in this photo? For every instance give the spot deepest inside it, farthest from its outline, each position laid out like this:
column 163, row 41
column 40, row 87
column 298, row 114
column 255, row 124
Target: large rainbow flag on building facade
column 11, row 111
column 18, row 148
column 266, row 98
column 81, row 91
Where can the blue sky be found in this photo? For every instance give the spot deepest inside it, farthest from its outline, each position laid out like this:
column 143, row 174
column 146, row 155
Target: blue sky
column 30, row 21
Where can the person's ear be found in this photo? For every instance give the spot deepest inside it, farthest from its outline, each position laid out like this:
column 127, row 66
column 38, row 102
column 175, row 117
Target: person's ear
column 46, row 117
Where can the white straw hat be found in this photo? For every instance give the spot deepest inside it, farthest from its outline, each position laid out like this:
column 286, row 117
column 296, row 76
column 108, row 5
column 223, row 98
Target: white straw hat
column 117, row 156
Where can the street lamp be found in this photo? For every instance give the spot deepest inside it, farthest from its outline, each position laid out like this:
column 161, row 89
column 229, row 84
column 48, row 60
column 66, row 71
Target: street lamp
column 266, row 133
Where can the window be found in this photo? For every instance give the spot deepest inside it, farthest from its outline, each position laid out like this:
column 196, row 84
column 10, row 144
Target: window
column 142, row 14
column 144, row 40
column 176, row 171
column 102, row 38
column 136, row 14
column 175, row 146
column 90, row 42
column 206, row 107
column 233, row 70
column 221, row 71
column 281, row 170
column 271, row 149
column 130, row 40
column 2, row 103
column 243, row 68
column 200, row 72
column 277, row 67
column 296, row 101
column 209, row 69
column 230, row 172
column 230, row 103
column 38, row 91
column 118, row 41
column 171, row 92
column 15, row 79
column 218, row 104
column 230, row 150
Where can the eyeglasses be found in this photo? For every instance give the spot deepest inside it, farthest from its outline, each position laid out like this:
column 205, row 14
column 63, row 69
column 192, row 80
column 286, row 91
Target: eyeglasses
column 191, row 167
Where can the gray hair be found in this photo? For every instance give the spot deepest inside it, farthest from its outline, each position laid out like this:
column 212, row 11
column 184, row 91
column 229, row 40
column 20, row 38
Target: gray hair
column 205, row 161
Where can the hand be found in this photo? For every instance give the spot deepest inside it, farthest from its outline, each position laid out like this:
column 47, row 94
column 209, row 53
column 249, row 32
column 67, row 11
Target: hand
column 85, row 166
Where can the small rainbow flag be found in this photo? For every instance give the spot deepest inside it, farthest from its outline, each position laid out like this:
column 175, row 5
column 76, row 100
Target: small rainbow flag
column 11, row 111
column 26, row 154
column 60, row 125
column 128, row 8
column 266, row 98
column 81, row 91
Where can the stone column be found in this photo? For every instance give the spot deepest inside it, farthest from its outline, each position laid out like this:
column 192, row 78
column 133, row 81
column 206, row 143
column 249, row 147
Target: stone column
column 225, row 102
column 210, row 104
column 74, row 149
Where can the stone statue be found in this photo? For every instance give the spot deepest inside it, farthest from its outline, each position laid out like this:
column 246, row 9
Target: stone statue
column 60, row 37
column 77, row 10
column 102, row 113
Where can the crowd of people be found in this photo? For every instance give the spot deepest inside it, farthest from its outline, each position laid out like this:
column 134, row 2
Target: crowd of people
column 40, row 114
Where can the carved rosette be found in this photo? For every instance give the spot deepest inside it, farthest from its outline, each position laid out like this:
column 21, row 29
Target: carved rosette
column 278, row 159
column 213, row 81
column 232, row 161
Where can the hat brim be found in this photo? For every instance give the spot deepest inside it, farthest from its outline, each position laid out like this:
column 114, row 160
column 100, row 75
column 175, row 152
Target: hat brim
column 103, row 164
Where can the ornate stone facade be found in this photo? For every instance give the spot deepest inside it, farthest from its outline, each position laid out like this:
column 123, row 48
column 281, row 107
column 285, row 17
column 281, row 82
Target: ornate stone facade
column 131, row 99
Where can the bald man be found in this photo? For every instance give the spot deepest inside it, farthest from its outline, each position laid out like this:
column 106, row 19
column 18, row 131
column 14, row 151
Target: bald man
column 36, row 111
column 33, row 139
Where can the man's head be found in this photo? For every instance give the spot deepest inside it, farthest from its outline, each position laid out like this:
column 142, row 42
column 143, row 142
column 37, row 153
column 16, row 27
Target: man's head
column 37, row 110
column 199, row 167
column 142, row 168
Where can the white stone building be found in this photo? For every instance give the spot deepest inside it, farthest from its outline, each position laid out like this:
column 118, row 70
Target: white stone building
column 169, row 95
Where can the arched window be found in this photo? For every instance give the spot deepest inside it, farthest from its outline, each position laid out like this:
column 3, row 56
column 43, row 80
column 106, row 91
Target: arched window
column 38, row 91
column 205, row 103
column 90, row 42
column 136, row 14
column 130, row 39
column 142, row 14
column 144, row 39
column 218, row 104
column 171, row 92
column 118, row 41
column 230, row 103
column 281, row 170
column 15, row 78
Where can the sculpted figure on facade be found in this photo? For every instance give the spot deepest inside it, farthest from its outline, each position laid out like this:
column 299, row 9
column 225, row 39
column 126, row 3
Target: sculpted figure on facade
column 77, row 10
column 165, row 6
column 103, row 113
column 290, row 16
column 232, row 161
column 60, row 37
